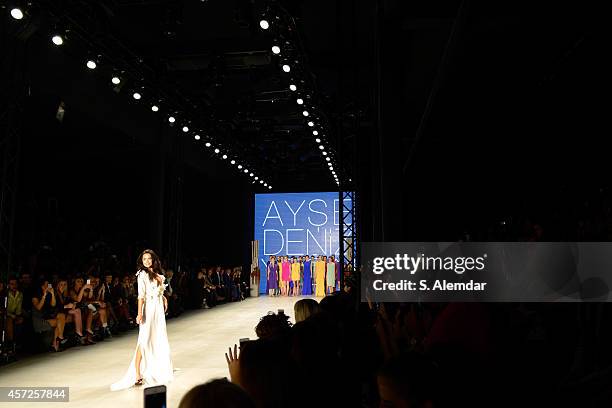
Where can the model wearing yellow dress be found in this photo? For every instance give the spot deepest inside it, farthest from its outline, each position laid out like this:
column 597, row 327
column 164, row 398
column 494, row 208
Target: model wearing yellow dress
column 295, row 276
column 320, row 277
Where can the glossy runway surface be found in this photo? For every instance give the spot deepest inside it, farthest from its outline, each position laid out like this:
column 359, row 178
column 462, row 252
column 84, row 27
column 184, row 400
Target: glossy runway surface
column 198, row 340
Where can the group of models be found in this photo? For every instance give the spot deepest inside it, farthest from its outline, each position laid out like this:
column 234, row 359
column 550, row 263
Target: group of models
column 291, row 276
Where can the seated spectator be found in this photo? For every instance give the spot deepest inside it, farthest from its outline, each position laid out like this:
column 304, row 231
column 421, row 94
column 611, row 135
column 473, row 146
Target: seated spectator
column 174, row 301
column 67, row 307
column 120, row 296
column 273, row 325
column 95, row 298
column 14, row 311
column 211, row 292
column 25, row 285
column 304, row 308
column 217, row 280
column 79, row 295
column 109, row 300
column 216, row 393
column 132, row 293
column 45, row 316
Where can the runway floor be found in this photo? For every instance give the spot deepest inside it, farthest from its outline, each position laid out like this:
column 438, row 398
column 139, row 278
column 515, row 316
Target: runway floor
column 198, row 340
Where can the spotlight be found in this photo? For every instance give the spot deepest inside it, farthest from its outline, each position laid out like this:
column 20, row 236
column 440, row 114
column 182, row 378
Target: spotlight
column 16, row 13
column 276, row 49
column 251, row 175
column 185, row 129
column 91, row 64
column 246, row 171
column 321, row 147
column 264, row 24
column 197, row 137
column 239, row 166
column 305, row 113
column 315, row 132
column 116, row 80
column 224, row 156
column 324, row 153
column 256, row 178
column 233, row 162
column 57, row 39
column 311, row 124
column 217, row 151
column 300, row 101
column 171, row 119
column 260, row 181
column 137, row 96
column 265, row 184
column 318, row 140
column 327, row 158
column 207, row 144
column 270, row 187
column 155, row 108
column 286, row 68
column 293, row 87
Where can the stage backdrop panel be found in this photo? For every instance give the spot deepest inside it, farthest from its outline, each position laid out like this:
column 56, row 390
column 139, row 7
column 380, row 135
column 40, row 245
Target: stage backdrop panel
column 296, row 224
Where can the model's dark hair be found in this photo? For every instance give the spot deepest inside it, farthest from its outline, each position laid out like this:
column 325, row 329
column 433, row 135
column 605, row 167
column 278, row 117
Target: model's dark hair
column 155, row 267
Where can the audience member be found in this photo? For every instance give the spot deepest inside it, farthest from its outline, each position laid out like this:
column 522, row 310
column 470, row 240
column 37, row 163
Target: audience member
column 304, row 308
column 218, row 393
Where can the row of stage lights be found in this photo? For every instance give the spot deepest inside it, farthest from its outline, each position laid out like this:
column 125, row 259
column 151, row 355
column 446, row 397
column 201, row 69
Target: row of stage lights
column 59, row 39
column 265, row 25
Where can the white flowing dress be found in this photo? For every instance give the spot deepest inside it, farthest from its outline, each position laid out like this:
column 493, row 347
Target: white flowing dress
column 156, row 363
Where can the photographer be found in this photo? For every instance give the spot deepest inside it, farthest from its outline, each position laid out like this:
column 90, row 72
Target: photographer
column 96, row 299
column 79, row 294
column 45, row 316
column 67, row 307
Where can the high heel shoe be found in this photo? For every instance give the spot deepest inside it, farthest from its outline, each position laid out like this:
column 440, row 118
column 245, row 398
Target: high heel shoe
column 89, row 340
column 138, row 382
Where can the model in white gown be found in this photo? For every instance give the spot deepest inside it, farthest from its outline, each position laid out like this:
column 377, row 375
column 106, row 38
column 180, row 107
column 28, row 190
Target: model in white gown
column 156, row 363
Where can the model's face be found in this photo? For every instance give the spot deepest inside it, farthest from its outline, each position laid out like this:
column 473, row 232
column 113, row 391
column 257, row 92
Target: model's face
column 147, row 260
column 12, row 285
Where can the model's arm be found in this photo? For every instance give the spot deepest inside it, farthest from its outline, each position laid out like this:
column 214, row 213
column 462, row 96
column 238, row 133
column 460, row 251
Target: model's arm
column 141, row 296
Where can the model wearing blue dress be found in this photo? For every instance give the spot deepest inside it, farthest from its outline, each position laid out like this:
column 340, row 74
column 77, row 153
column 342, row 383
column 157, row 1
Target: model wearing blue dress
column 307, row 286
column 272, row 274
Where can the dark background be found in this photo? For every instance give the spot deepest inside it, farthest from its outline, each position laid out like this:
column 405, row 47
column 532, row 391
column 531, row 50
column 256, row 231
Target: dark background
column 452, row 120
